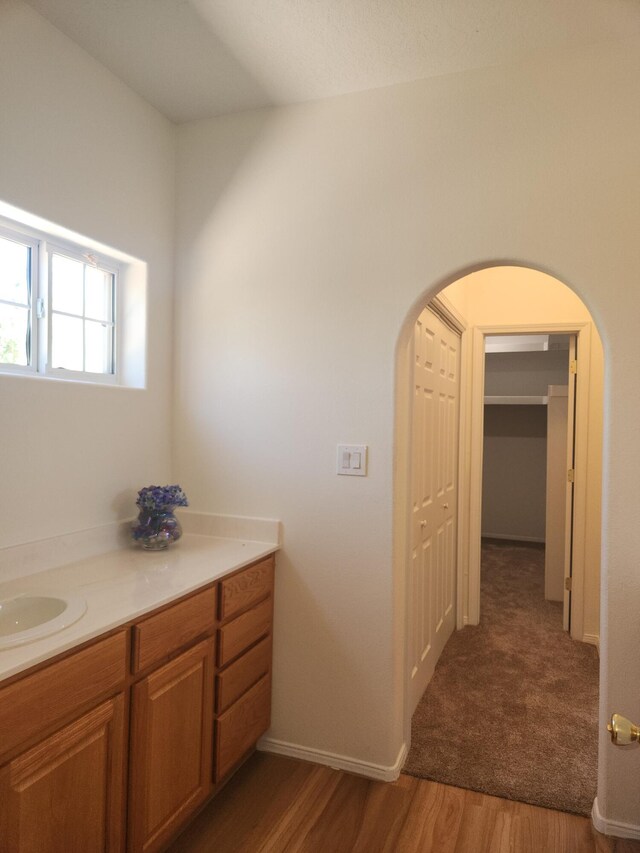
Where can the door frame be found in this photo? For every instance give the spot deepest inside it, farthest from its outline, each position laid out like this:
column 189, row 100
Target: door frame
column 471, row 460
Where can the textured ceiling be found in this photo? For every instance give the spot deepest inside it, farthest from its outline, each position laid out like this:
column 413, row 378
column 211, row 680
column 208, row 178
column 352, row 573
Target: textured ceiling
column 199, row 58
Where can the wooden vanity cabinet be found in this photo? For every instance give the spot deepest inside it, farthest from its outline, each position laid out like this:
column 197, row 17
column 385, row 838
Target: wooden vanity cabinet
column 243, row 676
column 171, row 753
column 62, row 754
column 171, row 721
column 115, row 746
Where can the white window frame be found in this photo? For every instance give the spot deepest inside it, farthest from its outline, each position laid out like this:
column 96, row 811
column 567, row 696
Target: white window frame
column 50, row 248
column 42, row 247
column 13, row 231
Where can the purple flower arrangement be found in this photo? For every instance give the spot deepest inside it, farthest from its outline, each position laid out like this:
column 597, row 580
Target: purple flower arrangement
column 157, row 526
column 157, row 499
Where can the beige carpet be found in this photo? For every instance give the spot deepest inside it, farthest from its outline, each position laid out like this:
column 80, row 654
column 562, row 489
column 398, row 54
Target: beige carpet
column 512, row 708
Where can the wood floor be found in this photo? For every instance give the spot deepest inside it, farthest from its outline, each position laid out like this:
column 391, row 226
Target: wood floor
column 276, row 804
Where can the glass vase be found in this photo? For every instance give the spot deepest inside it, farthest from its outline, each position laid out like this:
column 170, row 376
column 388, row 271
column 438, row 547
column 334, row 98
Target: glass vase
column 157, row 530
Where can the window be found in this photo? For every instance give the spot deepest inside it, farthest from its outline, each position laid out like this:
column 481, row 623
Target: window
column 58, row 308
column 82, row 311
column 16, row 287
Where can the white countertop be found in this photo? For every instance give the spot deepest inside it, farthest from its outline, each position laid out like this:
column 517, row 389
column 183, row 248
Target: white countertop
column 123, row 584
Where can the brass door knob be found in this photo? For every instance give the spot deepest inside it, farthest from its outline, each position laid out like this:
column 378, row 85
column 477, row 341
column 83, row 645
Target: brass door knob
column 622, row 731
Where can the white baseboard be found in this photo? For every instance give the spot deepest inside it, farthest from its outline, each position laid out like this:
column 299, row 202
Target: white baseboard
column 513, row 537
column 593, row 639
column 382, row 772
column 613, row 827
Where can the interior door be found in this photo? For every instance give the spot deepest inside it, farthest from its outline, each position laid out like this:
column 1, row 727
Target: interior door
column 571, row 464
column 434, row 495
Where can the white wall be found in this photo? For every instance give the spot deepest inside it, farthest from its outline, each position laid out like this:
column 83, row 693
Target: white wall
column 80, row 149
column 514, row 472
column 309, row 237
column 524, row 373
column 515, row 443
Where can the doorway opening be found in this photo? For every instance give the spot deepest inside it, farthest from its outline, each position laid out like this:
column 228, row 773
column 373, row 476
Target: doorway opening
column 528, row 468
column 492, row 305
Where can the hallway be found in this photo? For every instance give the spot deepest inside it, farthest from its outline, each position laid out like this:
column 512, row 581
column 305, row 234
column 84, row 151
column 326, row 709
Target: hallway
column 512, row 708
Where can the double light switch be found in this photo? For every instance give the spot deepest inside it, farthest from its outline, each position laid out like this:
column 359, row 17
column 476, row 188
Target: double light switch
column 352, row 459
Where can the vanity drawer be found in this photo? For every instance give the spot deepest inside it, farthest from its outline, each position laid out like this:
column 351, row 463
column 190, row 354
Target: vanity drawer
column 238, row 729
column 244, row 631
column 34, row 704
column 237, row 678
column 155, row 638
column 245, row 588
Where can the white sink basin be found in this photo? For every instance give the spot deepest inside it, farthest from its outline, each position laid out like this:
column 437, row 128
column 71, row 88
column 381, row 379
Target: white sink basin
column 25, row 618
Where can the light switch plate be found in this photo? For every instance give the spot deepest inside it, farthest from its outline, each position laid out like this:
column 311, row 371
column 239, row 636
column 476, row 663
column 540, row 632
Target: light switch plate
column 352, row 460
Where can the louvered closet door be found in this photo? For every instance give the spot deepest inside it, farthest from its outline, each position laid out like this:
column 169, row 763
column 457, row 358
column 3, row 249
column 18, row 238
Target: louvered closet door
column 435, row 495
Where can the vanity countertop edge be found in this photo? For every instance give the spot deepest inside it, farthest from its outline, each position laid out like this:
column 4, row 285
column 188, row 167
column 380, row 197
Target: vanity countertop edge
column 124, row 584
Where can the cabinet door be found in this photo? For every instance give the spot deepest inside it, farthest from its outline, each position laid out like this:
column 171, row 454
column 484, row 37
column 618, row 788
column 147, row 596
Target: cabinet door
column 66, row 793
column 238, row 729
column 171, row 747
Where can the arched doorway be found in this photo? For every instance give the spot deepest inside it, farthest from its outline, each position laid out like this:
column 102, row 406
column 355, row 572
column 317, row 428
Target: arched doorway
column 495, row 300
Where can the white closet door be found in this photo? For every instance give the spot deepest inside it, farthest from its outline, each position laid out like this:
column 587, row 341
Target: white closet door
column 434, row 495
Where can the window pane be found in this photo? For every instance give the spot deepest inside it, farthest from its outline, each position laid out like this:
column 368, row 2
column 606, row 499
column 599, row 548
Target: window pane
column 97, row 342
column 66, row 342
column 14, row 323
column 98, row 289
column 14, row 271
column 67, row 284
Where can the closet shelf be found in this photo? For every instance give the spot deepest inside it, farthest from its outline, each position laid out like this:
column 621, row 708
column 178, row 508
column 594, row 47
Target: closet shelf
column 516, row 401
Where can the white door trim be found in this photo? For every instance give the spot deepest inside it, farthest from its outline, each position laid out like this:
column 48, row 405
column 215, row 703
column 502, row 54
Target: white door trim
column 443, row 309
column 470, row 514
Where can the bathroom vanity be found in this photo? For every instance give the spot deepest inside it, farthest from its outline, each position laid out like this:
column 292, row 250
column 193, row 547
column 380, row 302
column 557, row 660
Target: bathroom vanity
column 114, row 741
